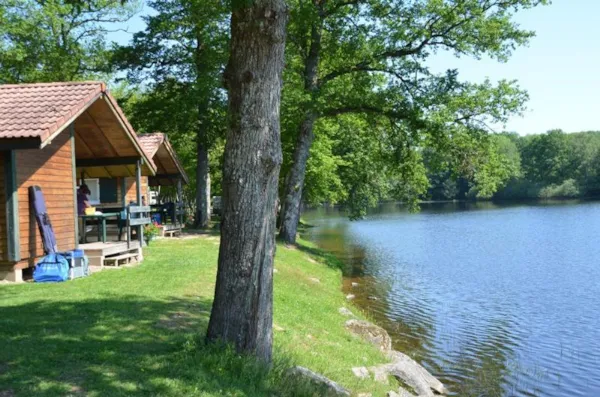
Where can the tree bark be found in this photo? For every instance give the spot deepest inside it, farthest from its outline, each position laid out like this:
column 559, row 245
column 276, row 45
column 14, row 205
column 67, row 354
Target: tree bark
column 290, row 212
column 295, row 179
column 242, row 311
column 202, row 218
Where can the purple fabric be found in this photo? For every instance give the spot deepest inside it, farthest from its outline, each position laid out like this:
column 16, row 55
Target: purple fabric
column 38, row 206
column 81, row 199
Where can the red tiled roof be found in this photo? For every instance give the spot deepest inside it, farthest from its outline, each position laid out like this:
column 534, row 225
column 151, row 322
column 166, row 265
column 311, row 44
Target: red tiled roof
column 39, row 110
column 151, row 142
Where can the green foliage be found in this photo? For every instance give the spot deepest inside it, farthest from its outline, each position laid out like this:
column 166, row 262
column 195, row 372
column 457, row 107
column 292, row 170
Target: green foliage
column 499, row 164
column 567, row 189
column 178, row 60
column 551, row 165
column 57, row 40
column 546, row 157
column 368, row 59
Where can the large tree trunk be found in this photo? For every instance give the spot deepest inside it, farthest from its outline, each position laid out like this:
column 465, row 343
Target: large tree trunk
column 202, row 218
column 242, row 311
column 290, row 211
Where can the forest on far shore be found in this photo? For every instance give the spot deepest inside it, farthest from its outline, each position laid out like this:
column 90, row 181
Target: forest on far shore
column 541, row 166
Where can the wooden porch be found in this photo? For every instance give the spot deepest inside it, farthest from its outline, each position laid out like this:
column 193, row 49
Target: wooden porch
column 112, row 253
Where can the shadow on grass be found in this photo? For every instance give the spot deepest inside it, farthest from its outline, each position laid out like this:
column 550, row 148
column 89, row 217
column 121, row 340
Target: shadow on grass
column 322, row 256
column 125, row 346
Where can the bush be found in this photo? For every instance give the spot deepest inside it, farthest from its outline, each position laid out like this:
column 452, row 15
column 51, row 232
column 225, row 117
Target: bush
column 567, row 189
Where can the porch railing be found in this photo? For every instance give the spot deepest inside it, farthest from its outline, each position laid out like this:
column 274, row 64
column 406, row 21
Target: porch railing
column 139, row 216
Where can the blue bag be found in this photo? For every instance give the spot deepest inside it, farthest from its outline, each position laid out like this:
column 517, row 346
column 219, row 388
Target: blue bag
column 51, row 268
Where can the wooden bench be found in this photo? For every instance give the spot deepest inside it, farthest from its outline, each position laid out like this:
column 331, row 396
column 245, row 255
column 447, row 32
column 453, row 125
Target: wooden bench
column 123, row 259
column 172, row 232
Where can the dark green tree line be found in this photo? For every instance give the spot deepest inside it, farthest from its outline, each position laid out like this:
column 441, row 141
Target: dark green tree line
column 541, row 166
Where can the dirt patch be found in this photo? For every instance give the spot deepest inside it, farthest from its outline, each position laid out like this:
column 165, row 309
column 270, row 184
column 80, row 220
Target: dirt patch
column 177, row 321
column 77, row 391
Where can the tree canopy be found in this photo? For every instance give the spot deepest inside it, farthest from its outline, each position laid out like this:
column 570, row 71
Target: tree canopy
column 179, row 59
column 369, row 58
column 57, row 40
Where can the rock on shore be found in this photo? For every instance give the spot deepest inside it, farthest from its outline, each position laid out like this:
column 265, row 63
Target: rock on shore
column 401, row 366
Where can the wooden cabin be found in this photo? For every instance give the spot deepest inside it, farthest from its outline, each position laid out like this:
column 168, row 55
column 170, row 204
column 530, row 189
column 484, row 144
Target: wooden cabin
column 51, row 135
column 169, row 172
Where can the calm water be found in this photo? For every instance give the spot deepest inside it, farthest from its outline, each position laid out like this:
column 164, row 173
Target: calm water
column 496, row 301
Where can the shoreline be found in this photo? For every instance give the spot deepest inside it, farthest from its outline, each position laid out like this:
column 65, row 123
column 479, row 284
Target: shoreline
column 410, row 374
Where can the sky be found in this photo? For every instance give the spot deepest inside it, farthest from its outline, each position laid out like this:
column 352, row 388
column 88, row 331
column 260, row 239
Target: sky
column 560, row 68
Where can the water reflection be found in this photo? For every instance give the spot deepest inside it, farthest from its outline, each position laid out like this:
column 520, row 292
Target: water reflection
column 495, row 300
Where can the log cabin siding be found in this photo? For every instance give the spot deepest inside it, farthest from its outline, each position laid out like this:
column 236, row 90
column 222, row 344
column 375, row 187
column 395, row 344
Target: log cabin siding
column 51, row 169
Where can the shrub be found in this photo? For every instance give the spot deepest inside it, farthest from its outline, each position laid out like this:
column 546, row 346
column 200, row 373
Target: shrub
column 567, row 189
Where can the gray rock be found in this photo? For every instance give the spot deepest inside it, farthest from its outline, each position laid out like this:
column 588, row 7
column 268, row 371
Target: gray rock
column 350, row 296
column 345, row 312
column 411, row 373
column 355, row 284
column 414, row 375
column 360, row 372
column 371, row 333
column 330, row 387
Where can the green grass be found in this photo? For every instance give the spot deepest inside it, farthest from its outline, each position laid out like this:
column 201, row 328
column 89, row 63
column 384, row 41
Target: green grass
column 139, row 331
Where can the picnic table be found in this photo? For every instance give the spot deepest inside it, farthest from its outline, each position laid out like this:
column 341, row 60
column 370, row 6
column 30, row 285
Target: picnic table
column 101, row 218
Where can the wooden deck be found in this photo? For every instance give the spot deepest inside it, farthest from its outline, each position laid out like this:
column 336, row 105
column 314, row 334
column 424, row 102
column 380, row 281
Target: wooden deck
column 97, row 252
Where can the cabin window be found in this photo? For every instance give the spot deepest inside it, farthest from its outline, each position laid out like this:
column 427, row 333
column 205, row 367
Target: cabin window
column 94, row 186
column 108, row 190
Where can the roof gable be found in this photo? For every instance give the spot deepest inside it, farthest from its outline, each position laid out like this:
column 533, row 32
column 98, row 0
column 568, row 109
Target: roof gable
column 159, row 149
column 40, row 110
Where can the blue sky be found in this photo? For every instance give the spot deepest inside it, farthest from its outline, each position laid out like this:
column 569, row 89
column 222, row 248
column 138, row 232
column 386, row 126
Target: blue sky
column 560, row 68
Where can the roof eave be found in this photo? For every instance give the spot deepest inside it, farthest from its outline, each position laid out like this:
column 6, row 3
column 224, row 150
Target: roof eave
column 176, row 159
column 112, row 103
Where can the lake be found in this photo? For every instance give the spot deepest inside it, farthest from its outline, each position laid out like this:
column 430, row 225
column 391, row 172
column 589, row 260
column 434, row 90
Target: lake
column 494, row 300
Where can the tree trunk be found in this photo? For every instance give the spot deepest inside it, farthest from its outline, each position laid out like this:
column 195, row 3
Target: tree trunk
column 242, row 311
column 202, row 218
column 290, row 212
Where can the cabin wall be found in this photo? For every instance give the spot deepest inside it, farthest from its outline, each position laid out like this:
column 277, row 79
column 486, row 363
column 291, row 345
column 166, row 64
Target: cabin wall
column 3, row 231
column 51, row 169
column 131, row 192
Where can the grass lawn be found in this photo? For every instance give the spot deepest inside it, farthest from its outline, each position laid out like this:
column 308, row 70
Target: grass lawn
column 139, row 331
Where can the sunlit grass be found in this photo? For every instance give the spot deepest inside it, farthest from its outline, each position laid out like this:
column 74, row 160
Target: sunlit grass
column 139, row 331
